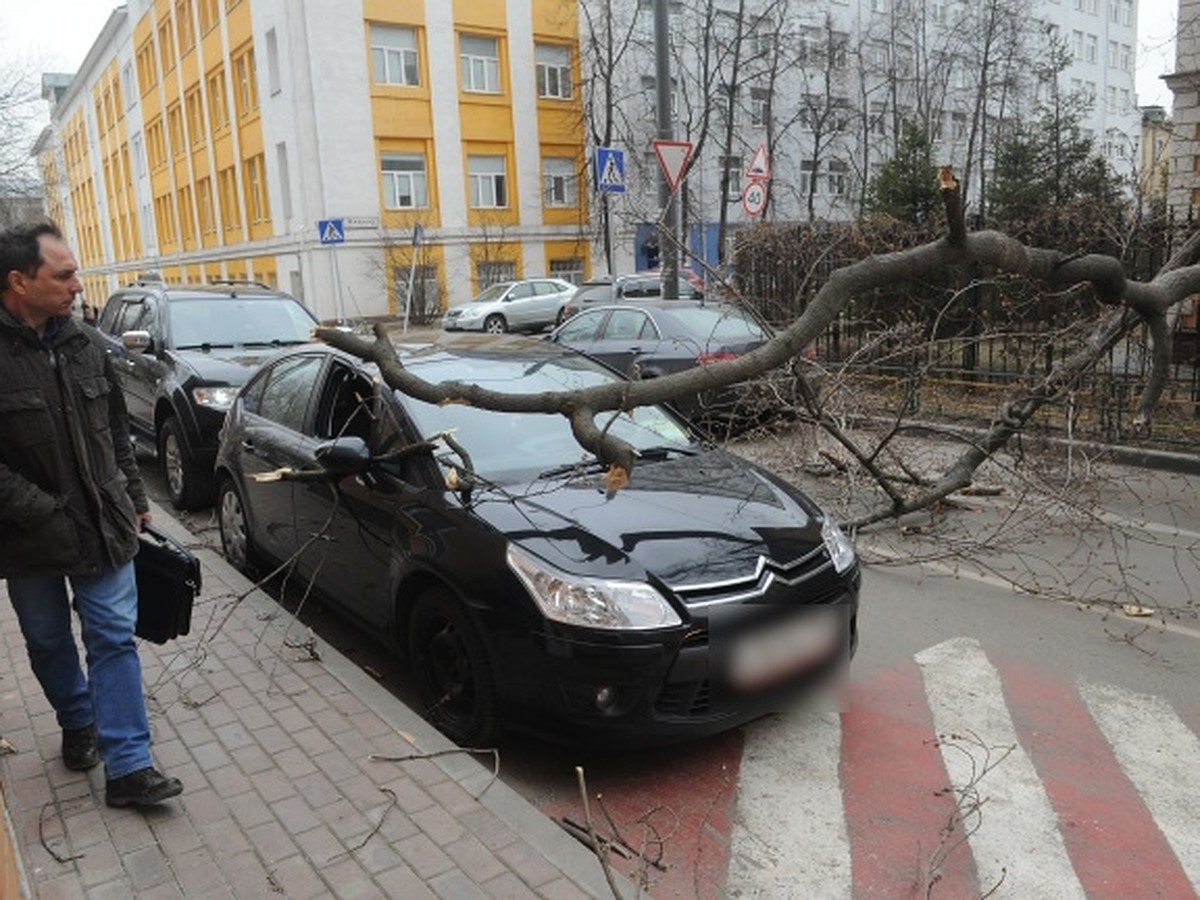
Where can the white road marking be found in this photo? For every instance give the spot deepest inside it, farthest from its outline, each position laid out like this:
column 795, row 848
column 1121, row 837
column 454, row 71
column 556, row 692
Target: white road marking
column 1161, row 756
column 1013, row 832
column 789, row 839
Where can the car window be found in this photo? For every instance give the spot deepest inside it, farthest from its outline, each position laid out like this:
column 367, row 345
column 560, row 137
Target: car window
column 509, row 442
column 717, row 323
column 628, row 324
column 582, row 327
column 347, row 404
column 288, row 387
column 234, row 322
column 592, row 294
column 521, row 292
column 131, row 316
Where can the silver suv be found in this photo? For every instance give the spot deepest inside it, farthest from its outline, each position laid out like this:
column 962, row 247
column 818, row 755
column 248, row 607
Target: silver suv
column 529, row 305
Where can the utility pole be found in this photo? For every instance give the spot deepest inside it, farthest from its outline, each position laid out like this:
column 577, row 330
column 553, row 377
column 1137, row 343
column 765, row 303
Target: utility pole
column 668, row 252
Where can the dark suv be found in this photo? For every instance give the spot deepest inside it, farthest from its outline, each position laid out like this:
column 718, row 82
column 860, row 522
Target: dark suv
column 181, row 352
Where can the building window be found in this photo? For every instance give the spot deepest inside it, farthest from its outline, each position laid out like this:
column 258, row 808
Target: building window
column 1113, row 54
column 836, row 178
column 394, row 55
column 231, row 215
column 489, row 273
column 218, row 112
column 404, row 184
column 1126, row 58
column 208, row 219
column 285, row 178
column 1126, row 12
column 274, row 85
column 183, row 21
column 256, row 190
column 560, row 182
column 488, row 185
column 760, row 106
column 195, row 116
column 246, row 92
column 733, row 172
column 1091, row 48
column 166, row 45
column 567, row 269
column 958, row 126
column 175, row 129
column 480, row 64
column 808, row 182
column 426, row 292
column 553, row 71
column 209, row 15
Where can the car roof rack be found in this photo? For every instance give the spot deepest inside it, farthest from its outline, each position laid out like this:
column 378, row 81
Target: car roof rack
column 149, row 277
column 246, row 282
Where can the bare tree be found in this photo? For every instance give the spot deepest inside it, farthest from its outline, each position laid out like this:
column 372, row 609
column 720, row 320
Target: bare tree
column 19, row 108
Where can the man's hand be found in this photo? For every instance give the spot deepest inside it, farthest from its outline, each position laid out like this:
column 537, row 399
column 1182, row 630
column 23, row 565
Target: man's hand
column 143, row 519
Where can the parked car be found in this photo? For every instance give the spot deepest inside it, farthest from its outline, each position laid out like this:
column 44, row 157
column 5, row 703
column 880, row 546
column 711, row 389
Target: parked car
column 660, row 337
column 640, row 286
column 529, row 305
column 705, row 593
column 181, row 352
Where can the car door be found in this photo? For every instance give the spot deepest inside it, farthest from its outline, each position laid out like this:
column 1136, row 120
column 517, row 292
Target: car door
column 548, row 297
column 274, row 410
column 629, row 335
column 345, row 525
column 520, row 305
column 138, row 370
column 581, row 330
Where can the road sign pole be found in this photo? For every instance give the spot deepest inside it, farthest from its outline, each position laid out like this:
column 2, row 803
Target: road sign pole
column 668, row 252
column 412, row 273
column 337, row 284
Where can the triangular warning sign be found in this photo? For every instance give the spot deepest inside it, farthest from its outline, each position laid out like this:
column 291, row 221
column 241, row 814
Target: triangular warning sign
column 332, row 234
column 758, row 170
column 673, row 157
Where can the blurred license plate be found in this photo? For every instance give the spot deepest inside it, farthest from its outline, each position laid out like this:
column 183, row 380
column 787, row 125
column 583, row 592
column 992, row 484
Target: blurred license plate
column 774, row 653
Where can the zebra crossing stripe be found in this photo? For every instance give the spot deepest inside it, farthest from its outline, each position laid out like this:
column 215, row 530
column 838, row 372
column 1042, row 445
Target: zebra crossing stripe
column 1115, row 845
column 780, row 786
column 1161, row 756
column 1012, row 829
column 906, row 840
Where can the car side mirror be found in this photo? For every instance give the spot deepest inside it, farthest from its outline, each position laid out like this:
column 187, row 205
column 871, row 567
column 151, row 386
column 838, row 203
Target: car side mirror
column 136, row 340
column 347, row 455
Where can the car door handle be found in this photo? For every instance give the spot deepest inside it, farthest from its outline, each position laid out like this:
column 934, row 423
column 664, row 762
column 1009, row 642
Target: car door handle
column 248, row 446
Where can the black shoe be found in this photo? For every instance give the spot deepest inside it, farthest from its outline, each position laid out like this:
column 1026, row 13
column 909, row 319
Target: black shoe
column 144, row 787
column 80, row 748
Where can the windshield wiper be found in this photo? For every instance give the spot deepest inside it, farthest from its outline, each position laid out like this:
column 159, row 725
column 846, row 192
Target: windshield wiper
column 276, row 342
column 583, row 467
column 206, row 345
column 665, row 451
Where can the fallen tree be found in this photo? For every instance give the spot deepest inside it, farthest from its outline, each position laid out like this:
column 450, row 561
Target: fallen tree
column 1132, row 303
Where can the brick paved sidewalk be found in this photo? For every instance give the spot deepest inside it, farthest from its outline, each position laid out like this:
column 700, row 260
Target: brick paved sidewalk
column 281, row 798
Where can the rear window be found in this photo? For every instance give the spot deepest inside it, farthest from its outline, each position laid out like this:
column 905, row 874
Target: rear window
column 715, row 322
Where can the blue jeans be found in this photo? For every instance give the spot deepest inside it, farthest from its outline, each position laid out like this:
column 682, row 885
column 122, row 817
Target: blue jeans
column 110, row 695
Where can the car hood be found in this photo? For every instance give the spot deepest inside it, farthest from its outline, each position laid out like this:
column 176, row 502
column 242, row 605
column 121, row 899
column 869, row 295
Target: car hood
column 690, row 522
column 224, row 365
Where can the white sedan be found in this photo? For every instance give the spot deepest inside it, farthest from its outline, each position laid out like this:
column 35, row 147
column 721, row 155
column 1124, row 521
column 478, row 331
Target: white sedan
column 529, row 305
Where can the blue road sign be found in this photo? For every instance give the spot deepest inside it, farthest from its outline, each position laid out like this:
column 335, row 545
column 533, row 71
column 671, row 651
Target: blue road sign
column 610, row 170
column 331, row 231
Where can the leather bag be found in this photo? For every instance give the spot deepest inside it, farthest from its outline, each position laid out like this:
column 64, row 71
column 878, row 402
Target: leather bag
column 168, row 580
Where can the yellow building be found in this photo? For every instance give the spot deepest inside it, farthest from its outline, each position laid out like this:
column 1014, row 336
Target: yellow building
column 316, row 146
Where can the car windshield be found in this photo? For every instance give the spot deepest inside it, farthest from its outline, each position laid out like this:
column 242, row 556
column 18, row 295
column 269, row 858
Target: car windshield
column 504, row 444
column 494, row 292
column 236, row 322
column 716, row 323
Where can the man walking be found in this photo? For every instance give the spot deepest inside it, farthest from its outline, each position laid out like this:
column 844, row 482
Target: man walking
column 71, row 505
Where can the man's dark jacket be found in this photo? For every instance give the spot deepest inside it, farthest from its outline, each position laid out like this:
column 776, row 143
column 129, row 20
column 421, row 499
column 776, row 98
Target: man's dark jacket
column 69, row 483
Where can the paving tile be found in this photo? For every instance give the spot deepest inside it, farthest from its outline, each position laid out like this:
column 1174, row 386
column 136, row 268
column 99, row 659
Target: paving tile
column 272, row 842
column 67, row 887
column 402, row 881
column 534, row 868
column 228, row 781
column 99, row 864
column 425, row 857
column 474, row 859
column 454, row 885
column 441, row 827
column 563, row 888
column 249, row 809
column 317, row 789
column 508, row 887
column 298, row 879
column 321, row 846
column 147, row 867
column 197, row 872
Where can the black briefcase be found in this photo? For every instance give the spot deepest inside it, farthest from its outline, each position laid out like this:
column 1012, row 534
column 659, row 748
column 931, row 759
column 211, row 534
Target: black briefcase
column 168, row 580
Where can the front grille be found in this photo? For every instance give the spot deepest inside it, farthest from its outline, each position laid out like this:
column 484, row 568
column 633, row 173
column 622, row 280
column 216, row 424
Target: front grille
column 814, row 570
column 689, row 698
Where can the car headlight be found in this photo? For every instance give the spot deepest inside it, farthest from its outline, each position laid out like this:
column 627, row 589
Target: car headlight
column 841, row 551
column 591, row 602
column 215, row 397
column 469, row 313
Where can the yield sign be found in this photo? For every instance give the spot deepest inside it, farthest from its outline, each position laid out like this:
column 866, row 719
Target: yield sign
column 759, row 170
column 673, row 157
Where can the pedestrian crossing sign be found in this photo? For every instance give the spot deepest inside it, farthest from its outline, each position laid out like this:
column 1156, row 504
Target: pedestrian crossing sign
column 331, row 231
column 610, row 170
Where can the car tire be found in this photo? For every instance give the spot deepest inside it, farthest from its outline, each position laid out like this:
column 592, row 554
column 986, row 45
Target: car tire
column 495, row 324
column 561, row 317
column 187, row 485
column 452, row 668
column 236, row 544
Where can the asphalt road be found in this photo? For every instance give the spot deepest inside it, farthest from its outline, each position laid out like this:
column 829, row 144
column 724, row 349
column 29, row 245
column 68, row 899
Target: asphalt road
column 1021, row 715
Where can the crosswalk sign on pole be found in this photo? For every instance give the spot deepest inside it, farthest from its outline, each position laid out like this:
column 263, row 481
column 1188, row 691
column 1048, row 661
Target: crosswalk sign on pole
column 610, row 170
column 331, row 231
column 673, row 157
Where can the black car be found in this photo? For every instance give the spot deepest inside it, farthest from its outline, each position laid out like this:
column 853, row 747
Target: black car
column 638, row 286
column 703, row 594
column 661, row 337
column 181, row 353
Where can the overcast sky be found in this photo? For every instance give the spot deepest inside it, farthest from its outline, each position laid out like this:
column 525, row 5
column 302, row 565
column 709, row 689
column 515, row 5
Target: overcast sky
column 57, row 34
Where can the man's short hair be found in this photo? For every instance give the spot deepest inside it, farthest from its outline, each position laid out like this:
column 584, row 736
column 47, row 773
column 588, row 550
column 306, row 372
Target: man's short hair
column 21, row 250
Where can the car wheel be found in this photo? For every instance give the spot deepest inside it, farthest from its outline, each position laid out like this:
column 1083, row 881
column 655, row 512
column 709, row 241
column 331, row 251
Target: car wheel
column 495, row 324
column 236, row 543
column 561, row 317
column 187, row 486
column 450, row 663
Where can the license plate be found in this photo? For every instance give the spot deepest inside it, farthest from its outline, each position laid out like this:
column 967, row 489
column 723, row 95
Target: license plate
column 772, row 654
